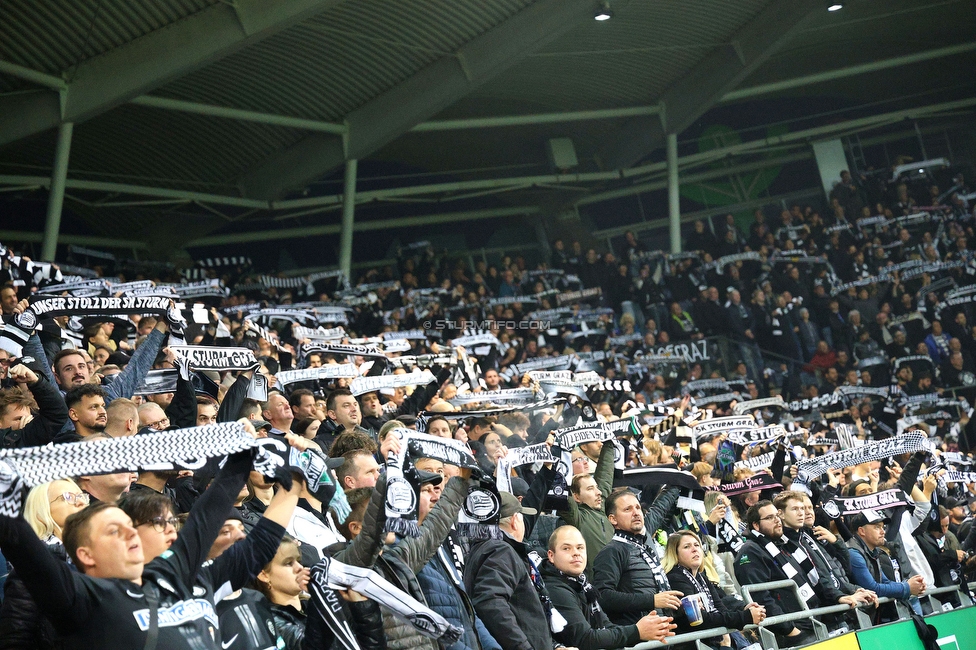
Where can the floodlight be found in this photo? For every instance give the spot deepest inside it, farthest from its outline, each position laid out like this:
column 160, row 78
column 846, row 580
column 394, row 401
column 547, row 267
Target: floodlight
column 603, row 12
column 835, row 6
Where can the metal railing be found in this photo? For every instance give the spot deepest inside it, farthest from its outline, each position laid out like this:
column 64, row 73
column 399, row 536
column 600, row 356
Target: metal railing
column 768, row 639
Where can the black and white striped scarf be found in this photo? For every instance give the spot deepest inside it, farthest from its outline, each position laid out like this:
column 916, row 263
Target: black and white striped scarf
column 793, row 560
column 329, row 574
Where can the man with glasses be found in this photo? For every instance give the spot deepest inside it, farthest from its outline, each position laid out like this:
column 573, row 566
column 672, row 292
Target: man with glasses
column 116, row 599
column 152, row 415
column 767, row 556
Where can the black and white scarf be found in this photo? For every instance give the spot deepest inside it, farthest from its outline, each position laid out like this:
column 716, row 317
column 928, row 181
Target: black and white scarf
column 811, row 468
column 648, row 555
column 590, row 592
column 216, row 358
column 729, row 539
column 331, row 371
column 330, row 574
column 701, row 584
column 363, row 385
column 183, row 448
column 793, row 560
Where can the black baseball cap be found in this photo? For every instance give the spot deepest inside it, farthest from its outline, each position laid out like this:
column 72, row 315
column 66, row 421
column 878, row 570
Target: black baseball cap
column 865, row 518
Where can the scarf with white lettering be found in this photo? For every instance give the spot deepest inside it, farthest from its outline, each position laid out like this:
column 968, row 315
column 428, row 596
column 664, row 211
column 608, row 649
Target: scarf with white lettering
column 811, row 468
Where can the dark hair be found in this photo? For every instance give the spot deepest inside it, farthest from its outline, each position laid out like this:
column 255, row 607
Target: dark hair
column 262, row 587
column 349, row 441
column 75, row 395
column 334, row 395
column 66, row 353
column 301, row 426
column 295, row 399
column 145, row 505
column 358, row 499
column 615, row 496
column 439, row 417
column 77, row 529
column 752, row 514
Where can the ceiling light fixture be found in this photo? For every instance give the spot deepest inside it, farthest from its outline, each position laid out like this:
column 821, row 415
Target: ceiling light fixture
column 603, row 12
column 835, row 6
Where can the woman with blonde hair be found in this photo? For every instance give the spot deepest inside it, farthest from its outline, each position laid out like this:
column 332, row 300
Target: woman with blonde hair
column 46, row 508
column 683, row 560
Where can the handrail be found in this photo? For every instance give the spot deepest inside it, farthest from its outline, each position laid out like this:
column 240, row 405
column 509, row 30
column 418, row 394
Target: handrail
column 708, row 633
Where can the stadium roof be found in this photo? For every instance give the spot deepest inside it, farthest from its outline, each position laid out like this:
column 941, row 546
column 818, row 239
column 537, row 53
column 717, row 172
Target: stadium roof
column 197, row 120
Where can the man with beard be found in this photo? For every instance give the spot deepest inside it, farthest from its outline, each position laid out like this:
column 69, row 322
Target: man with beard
column 86, row 410
column 627, row 572
column 766, row 556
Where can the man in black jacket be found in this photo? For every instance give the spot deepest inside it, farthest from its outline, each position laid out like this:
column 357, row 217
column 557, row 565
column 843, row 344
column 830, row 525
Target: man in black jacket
column 627, row 572
column 767, row 556
column 576, row 599
column 116, row 599
column 506, row 587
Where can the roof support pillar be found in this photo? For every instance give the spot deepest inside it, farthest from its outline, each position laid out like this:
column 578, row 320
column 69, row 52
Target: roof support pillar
column 348, row 218
column 674, row 203
column 55, row 200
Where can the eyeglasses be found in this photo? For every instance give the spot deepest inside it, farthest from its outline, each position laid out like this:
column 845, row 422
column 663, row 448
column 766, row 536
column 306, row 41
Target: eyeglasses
column 5, row 362
column 159, row 524
column 159, row 424
column 72, row 497
column 769, row 518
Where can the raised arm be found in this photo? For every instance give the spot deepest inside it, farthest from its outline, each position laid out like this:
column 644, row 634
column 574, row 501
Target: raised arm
column 207, row 517
column 57, row 590
column 417, row 551
column 128, row 380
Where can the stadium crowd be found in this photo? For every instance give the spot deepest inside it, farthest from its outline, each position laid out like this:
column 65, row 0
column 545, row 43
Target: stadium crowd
column 596, row 452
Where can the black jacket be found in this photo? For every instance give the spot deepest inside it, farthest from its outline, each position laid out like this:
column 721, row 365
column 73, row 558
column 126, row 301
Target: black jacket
column 754, row 565
column 96, row 613
column 52, row 414
column 721, row 617
column 22, row 626
column 624, row 580
column 496, row 575
column 587, row 626
column 944, row 563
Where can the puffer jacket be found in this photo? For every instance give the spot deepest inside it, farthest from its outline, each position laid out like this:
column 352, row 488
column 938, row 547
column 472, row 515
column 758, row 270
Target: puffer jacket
column 447, row 598
column 22, row 626
column 290, row 625
column 624, row 580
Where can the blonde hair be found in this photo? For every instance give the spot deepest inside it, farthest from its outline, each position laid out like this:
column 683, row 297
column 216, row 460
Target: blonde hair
column 37, row 509
column 670, row 559
column 671, row 555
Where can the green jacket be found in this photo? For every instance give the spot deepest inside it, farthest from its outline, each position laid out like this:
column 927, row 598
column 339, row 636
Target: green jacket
column 592, row 523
